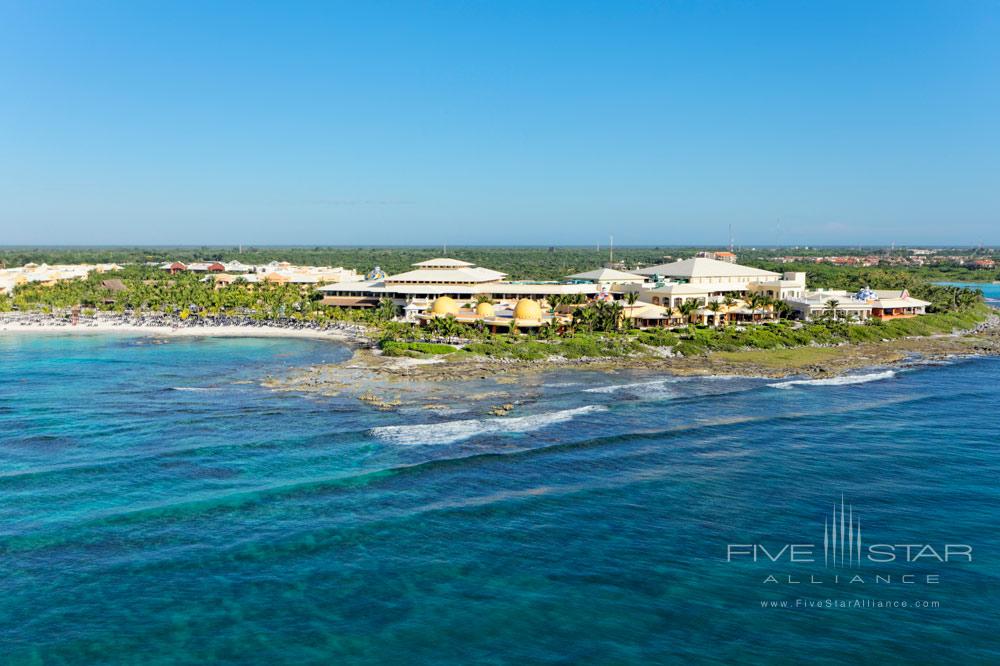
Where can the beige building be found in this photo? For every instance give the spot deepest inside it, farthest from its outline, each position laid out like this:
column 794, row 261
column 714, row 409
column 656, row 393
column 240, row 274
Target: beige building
column 48, row 275
column 278, row 272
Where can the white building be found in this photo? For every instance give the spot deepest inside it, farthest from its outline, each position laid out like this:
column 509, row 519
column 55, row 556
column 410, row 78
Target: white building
column 456, row 279
column 704, row 280
column 609, row 278
column 861, row 305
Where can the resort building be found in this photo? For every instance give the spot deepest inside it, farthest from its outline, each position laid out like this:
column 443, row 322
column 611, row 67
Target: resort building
column 278, row 272
column 861, row 305
column 661, row 291
column 705, row 280
column 461, row 281
column 48, row 275
column 609, row 278
column 647, row 315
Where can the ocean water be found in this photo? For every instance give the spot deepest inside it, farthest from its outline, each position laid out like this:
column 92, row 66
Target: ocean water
column 991, row 292
column 159, row 506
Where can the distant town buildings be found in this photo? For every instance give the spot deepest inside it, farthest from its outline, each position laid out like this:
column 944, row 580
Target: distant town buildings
column 912, row 258
column 718, row 256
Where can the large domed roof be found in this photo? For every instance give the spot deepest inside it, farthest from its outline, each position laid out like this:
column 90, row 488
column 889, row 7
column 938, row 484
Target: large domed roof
column 527, row 310
column 485, row 309
column 444, row 305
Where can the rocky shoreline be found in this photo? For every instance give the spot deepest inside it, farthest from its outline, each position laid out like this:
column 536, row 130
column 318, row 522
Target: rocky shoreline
column 390, row 382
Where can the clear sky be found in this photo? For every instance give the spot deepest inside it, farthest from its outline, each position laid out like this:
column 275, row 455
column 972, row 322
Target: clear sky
column 506, row 122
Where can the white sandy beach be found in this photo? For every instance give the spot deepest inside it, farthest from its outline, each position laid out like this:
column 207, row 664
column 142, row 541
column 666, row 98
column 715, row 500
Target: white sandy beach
column 105, row 327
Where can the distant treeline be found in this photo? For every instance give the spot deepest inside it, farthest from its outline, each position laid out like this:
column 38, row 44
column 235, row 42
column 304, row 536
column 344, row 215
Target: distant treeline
column 546, row 263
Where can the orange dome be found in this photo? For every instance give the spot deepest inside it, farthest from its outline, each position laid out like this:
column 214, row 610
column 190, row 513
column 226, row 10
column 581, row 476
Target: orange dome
column 444, row 305
column 528, row 310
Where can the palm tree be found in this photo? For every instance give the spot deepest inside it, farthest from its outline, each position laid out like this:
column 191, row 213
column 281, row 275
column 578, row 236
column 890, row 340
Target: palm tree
column 756, row 302
column 715, row 307
column 631, row 297
column 484, row 298
column 782, row 309
column 766, row 303
column 386, row 310
column 687, row 309
column 831, row 307
column 615, row 314
column 447, row 327
column 584, row 318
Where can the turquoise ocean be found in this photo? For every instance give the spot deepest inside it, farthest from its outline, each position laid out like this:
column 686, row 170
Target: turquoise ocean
column 159, row 506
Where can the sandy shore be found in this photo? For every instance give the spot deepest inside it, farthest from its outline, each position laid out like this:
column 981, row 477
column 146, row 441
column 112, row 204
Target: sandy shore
column 106, row 327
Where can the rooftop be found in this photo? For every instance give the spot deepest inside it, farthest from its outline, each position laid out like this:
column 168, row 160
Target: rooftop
column 700, row 267
column 606, row 275
column 443, row 262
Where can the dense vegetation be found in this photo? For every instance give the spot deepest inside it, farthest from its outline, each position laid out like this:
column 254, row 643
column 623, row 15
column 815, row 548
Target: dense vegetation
column 150, row 290
column 690, row 340
column 696, row 340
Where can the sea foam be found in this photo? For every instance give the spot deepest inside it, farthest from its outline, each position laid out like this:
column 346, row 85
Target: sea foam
column 836, row 381
column 639, row 386
column 455, row 431
column 656, row 385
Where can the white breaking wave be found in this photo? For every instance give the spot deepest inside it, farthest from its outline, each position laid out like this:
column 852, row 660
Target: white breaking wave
column 614, row 388
column 837, row 381
column 455, row 431
column 194, row 388
column 656, row 385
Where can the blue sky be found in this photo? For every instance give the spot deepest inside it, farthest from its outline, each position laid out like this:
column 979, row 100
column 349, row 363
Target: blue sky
column 499, row 122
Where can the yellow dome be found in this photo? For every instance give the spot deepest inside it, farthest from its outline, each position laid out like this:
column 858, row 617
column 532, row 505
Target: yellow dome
column 485, row 310
column 527, row 310
column 444, row 305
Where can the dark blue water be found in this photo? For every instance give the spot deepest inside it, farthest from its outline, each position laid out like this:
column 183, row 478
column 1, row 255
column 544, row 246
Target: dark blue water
column 158, row 506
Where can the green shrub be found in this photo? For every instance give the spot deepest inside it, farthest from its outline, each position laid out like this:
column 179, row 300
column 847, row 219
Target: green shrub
column 393, row 348
column 689, row 348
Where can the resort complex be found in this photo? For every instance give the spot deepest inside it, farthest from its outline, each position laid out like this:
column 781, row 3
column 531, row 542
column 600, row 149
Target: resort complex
column 708, row 289
column 699, row 289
